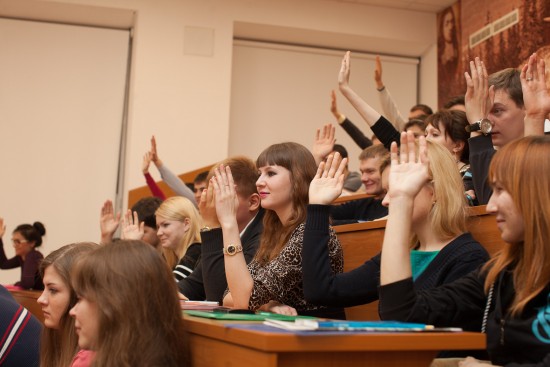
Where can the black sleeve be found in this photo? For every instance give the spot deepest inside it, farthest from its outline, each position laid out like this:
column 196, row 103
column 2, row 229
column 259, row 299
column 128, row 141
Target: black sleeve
column 192, row 287
column 30, row 278
column 481, row 154
column 188, row 262
column 386, row 132
column 345, row 211
column 357, row 135
column 465, row 264
column 6, row 263
column 213, row 267
column 544, row 363
column 453, row 304
column 321, row 285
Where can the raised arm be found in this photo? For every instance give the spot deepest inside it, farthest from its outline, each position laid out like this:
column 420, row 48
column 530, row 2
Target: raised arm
column 155, row 189
column 6, row 263
column 389, row 107
column 479, row 96
column 408, row 173
column 239, row 280
column 381, row 127
column 478, row 101
column 171, row 179
column 369, row 114
column 535, row 95
column 321, row 285
column 349, row 127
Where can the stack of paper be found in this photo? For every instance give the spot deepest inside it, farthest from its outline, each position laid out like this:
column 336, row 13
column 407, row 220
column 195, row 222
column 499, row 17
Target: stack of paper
column 198, row 305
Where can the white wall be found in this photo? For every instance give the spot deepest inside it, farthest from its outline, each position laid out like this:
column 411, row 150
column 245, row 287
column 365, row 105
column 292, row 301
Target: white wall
column 185, row 99
column 282, row 93
column 62, row 93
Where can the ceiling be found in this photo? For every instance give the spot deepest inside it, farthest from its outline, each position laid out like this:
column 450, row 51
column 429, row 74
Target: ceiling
column 429, row 6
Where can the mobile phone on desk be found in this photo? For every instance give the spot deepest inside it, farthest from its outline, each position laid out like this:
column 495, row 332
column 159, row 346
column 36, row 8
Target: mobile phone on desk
column 233, row 310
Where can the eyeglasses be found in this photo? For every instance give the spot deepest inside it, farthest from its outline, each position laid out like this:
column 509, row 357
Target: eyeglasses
column 18, row 242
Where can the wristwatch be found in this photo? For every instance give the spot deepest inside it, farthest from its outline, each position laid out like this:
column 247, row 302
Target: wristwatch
column 483, row 125
column 232, row 249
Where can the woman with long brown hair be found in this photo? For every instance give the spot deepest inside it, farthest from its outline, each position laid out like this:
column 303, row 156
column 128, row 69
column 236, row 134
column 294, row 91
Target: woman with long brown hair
column 275, row 274
column 510, row 294
column 128, row 311
column 59, row 343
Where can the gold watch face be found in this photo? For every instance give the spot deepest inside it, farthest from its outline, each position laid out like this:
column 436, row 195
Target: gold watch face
column 231, row 250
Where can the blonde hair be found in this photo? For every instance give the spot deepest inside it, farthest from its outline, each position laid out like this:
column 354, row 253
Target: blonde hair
column 449, row 212
column 522, row 169
column 179, row 209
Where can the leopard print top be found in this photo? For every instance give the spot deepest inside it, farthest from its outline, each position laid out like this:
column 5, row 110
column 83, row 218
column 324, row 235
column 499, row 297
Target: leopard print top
column 281, row 279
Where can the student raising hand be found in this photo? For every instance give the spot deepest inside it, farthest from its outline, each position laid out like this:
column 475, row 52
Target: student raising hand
column 408, row 175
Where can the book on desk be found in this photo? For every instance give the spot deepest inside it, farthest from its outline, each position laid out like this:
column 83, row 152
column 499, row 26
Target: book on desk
column 337, row 325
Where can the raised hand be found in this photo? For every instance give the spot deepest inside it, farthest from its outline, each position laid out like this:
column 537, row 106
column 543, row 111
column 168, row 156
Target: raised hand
column 225, row 194
column 2, row 227
column 132, row 229
column 108, row 221
column 378, row 73
column 154, row 154
column 334, row 105
column 345, row 69
column 535, row 92
column 207, row 207
column 479, row 96
column 328, row 181
column 409, row 170
column 324, row 142
column 146, row 163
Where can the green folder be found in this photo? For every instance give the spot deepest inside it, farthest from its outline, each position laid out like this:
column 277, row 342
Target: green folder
column 259, row 316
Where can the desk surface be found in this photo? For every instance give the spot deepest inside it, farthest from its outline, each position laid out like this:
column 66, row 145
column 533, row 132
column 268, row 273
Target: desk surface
column 213, row 343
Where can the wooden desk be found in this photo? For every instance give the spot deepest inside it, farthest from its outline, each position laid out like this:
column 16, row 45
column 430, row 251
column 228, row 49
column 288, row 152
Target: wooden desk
column 361, row 241
column 28, row 299
column 214, row 344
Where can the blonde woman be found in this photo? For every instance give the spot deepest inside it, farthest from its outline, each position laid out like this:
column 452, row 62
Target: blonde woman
column 178, row 229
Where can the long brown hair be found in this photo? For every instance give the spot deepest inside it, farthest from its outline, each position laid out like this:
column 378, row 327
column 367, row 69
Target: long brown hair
column 140, row 322
column 522, row 168
column 300, row 162
column 58, row 346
